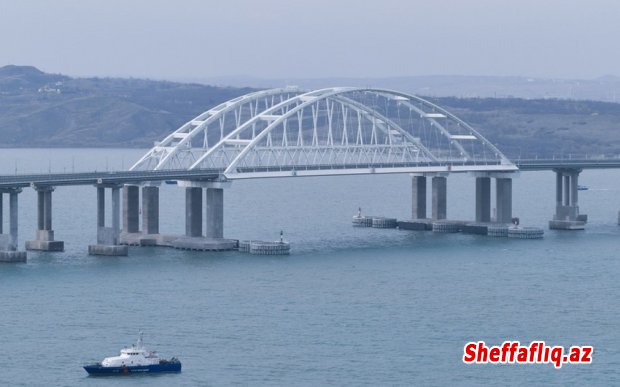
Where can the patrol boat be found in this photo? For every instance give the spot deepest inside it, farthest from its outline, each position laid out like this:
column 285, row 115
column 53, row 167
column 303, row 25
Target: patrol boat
column 135, row 359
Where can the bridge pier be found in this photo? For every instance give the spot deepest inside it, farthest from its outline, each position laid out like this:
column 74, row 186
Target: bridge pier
column 503, row 199
column 439, row 196
column 214, row 197
column 567, row 215
column 439, row 186
column 193, row 211
column 215, row 212
column 131, row 234
column 108, row 237
column 131, row 209
column 483, row 199
column 8, row 242
column 44, row 240
column 418, row 197
column 503, row 196
column 150, row 210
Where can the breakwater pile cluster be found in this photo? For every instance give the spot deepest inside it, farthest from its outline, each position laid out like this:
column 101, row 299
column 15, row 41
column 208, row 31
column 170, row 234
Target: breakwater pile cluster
column 264, row 248
column 451, row 226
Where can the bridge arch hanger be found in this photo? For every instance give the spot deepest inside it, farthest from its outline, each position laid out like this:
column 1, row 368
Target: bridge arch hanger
column 176, row 151
column 261, row 144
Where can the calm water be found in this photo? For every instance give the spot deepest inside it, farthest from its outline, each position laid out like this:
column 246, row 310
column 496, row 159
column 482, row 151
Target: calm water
column 348, row 306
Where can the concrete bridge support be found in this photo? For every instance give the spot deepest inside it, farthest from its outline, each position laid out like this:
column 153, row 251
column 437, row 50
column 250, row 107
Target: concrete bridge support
column 193, row 211
column 503, row 198
column 8, row 242
column 439, row 187
column 418, row 197
column 131, row 209
column 567, row 215
column 215, row 213
column 194, row 238
column 44, row 240
column 108, row 238
column 131, row 234
column 150, row 210
column 483, row 199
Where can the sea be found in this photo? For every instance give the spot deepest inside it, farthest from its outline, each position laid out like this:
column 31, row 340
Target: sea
column 348, row 307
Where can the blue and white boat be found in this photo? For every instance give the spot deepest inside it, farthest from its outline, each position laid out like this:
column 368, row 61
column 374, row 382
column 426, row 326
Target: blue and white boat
column 134, row 360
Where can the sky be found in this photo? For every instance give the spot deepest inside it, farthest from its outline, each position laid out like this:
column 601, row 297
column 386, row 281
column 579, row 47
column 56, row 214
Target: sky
column 193, row 39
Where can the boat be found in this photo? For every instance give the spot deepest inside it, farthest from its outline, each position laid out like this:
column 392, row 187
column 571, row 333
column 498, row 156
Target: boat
column 582, row 187
column 134, row 360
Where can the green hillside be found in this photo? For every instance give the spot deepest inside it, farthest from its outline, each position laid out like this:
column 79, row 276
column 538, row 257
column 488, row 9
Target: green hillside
column 48, row 110
column 51, row 110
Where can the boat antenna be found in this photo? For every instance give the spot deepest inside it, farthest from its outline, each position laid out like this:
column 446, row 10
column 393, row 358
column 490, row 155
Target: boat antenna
column 139, row 345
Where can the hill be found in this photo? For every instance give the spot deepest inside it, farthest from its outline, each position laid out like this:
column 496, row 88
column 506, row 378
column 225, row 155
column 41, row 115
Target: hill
column 51, row 110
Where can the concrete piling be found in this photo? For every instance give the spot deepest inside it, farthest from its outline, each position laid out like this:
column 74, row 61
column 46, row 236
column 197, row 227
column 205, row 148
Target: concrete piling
column 418, row 197
column 193, row 211
column 215, row 212
column 44, row 239
column 440, row 197
column 108, row 238
column 567, row 215
column 8, row 243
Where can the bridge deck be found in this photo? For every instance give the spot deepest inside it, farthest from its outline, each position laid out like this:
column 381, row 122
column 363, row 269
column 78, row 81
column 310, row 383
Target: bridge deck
column 551, row 164
column 116, row 177
column 129, row 177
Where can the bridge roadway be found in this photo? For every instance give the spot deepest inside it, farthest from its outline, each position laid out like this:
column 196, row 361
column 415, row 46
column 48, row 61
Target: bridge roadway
column 94, row 178
column 136, row 177
column 551, row 164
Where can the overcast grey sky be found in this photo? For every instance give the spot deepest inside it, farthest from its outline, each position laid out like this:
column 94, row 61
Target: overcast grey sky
column 316, row 38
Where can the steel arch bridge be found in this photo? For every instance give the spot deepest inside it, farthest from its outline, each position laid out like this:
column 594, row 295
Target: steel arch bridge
column 333, row 131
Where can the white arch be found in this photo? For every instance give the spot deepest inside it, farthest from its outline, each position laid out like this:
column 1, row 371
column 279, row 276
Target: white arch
column 164, row 152
column 235, row 145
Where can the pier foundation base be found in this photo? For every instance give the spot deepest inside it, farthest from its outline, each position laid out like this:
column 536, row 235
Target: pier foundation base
column 109, row 250
column 205, row 244
column 45, row 242
column 12, row 256
column 567, row 225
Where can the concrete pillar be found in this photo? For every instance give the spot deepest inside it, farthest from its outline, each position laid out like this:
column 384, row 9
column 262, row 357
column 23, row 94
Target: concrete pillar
column 193, row 211
column 108, row 238
column 574, row 185
column 131, row 209
column 558, row 188
column 47, row 220
column 418, row 197
column 44, row 240
column 440, row 196
column 40, row 210
column 13, row 219
column 483, row 199
column 150, row 210
column 567, row 190
column 116, row 214
column 215, row 212
column 100, row 207
column 503, row 199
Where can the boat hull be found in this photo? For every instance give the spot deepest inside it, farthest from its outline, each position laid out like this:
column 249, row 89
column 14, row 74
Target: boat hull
column 97, row 369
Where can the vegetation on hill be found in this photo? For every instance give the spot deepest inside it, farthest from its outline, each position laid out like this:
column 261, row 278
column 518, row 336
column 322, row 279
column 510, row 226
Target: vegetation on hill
column 48, row 110
column 542, row 127
column 51, row 110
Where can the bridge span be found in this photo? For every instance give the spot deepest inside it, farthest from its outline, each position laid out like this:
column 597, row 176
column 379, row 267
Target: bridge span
column 291, row 133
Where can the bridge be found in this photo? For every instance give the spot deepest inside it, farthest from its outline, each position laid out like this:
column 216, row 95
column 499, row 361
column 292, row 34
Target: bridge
column 289, row 132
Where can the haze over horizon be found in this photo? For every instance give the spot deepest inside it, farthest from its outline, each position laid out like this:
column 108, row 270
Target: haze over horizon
column 192, row 39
